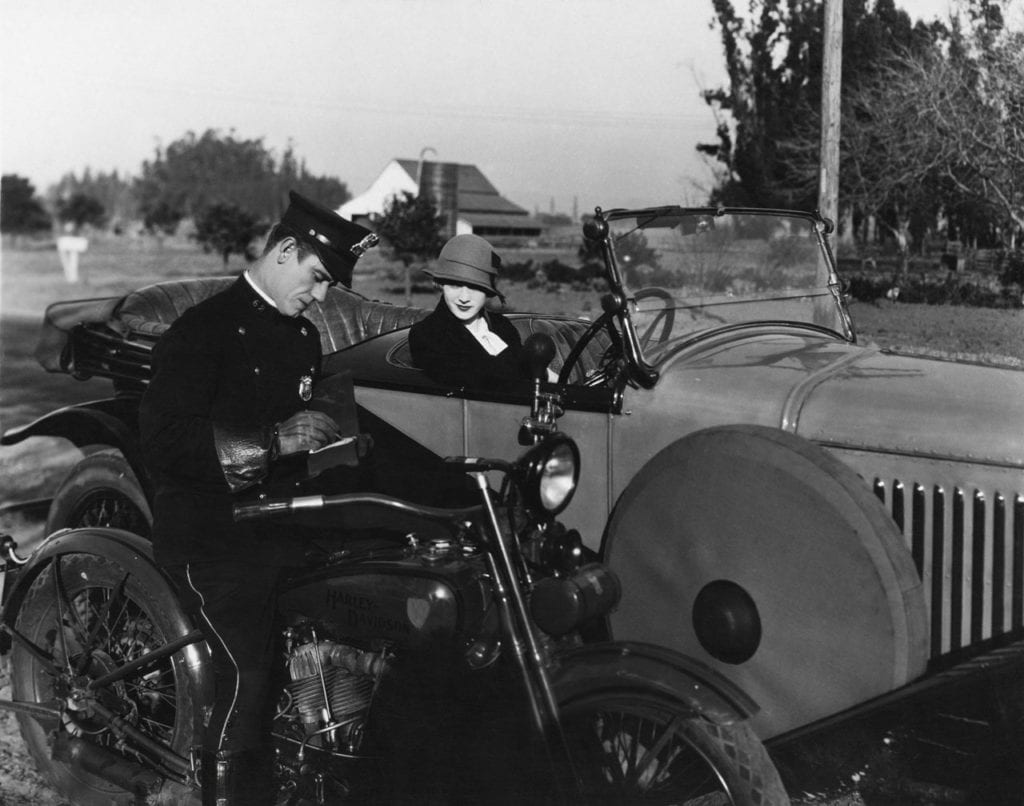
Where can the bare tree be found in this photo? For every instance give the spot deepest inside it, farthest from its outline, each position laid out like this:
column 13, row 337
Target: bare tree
column 890, row 163
column 881, row 173
column 978, row 132
column 926, row 120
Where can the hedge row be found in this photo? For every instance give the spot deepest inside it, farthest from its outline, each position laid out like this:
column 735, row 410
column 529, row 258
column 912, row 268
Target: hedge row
column 932, row 289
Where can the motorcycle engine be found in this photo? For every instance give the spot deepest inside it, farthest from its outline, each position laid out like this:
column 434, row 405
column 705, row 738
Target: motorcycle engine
column 331, row 687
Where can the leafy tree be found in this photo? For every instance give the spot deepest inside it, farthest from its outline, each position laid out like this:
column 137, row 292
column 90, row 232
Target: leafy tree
column 21, row 211
column 111, row 190
column 411, row 231
column 80, row 210
column 195, row 172
column 227, row 229
column 773, row 62
column 162, row 219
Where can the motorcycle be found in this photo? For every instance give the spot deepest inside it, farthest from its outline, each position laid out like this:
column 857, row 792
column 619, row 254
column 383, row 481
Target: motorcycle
column 111, row 681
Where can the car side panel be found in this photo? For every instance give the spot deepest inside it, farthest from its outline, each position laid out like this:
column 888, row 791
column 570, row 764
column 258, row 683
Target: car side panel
column 492, row 429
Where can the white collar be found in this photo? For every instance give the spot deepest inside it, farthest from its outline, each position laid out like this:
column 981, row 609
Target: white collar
column 488, row 339
column 258, row 290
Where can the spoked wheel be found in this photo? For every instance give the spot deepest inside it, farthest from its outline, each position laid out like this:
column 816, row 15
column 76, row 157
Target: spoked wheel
column 109, row 508
column 101, row 490
column 632, row 747
column 79, row 624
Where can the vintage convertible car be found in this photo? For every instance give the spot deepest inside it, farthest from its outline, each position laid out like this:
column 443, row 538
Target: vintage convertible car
column 827, row 524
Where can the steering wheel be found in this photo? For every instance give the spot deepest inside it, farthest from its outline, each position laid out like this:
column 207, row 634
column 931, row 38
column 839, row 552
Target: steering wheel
column 667, row 315
column 603, row 322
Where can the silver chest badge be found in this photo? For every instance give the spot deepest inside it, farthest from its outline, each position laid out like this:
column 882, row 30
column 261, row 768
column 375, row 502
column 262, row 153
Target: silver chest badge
column 306, row 387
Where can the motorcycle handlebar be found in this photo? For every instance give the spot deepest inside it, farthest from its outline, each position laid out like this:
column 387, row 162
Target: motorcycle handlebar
column 473, row 464
column 371, row 504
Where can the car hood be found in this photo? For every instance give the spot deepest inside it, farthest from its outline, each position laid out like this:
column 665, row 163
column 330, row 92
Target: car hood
column 847, row 395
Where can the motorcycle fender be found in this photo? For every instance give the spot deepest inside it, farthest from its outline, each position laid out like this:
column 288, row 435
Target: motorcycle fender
column 135, row 555
column 632, row 664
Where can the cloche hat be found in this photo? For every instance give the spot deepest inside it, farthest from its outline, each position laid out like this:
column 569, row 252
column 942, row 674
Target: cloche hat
column 468, row 260
column 338, row 242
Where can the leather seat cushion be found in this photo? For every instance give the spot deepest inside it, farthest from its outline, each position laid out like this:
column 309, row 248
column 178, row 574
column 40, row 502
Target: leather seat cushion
column 343, row 318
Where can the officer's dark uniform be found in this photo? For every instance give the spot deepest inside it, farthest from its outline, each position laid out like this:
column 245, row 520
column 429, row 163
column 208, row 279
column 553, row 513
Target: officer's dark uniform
column 224, row 374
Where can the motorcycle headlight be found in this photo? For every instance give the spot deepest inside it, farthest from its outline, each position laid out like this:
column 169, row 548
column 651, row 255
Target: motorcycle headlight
column 550, row 472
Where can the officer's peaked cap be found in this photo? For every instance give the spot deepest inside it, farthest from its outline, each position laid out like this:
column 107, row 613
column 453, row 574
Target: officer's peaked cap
column 338, row 242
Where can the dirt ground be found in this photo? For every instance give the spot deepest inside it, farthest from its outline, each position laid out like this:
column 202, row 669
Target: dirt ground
column 20, row 784
column 827, row 772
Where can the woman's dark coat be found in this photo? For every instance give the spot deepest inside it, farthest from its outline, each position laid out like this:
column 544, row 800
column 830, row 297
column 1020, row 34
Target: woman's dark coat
column 443, row 348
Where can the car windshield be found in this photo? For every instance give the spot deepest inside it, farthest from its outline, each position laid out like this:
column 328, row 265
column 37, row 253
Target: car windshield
column 689, row 271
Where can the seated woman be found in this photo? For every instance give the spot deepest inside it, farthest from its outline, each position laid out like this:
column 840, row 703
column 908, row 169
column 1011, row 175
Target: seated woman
column 462, row 343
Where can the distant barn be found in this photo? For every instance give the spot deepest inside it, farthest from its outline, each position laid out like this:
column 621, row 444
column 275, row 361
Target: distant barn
column 461, row 192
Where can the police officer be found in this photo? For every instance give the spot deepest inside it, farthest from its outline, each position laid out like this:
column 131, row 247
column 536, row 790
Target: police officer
column 231, row 380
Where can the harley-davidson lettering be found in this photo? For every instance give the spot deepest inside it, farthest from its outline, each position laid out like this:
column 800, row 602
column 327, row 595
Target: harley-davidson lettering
column 369, row 621
column 337, row 599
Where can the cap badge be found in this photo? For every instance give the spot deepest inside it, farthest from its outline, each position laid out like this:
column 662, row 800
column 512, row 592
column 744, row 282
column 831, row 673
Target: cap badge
column 368, row 242
column 306, row 387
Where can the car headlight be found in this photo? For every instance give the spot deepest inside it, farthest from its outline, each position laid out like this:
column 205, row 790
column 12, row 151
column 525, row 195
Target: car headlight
column 549, row 473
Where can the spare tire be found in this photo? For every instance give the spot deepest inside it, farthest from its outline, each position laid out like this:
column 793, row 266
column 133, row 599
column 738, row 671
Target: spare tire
column 760, row 554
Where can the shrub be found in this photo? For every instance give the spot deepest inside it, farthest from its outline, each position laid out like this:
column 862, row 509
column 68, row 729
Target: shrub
column 557, row 272
column 522, row 272
column 938, row 289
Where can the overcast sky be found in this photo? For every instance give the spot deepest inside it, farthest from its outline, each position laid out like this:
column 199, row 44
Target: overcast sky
column 557, row 101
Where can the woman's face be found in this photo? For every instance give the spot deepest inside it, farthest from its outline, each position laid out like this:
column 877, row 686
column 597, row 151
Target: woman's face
column 464, row 302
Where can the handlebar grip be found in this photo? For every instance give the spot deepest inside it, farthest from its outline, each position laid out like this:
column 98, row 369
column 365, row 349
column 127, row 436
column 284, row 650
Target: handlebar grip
column 247, row 512
column 473, row 464
column 276, row 506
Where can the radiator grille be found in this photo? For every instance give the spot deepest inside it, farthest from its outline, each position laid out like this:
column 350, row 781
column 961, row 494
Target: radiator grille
column 968, row 546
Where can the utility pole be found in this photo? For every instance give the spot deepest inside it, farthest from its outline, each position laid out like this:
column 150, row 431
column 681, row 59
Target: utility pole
column 831, row 83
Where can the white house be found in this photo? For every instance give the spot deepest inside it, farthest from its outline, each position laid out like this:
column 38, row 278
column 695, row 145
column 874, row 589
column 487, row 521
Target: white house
column 478, row 206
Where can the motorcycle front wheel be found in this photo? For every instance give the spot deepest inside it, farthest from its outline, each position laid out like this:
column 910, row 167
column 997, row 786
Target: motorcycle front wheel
column 98, row 618
column 630, row 747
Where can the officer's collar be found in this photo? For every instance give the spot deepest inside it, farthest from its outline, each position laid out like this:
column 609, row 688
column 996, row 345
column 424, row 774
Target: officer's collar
column 252, row 284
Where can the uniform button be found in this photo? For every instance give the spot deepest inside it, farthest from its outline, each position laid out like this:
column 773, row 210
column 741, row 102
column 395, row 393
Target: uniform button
column 256, row 370
column 303, row 331
column 241, row 330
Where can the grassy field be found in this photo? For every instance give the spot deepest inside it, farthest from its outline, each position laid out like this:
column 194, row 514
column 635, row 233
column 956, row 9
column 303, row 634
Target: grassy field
column 975, row 334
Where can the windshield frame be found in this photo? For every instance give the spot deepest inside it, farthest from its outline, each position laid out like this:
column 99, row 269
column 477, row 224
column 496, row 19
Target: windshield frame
column 642, row 371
